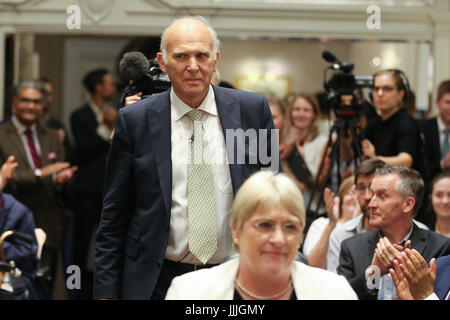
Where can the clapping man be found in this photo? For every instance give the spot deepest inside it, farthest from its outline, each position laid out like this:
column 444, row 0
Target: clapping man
column 365, row 259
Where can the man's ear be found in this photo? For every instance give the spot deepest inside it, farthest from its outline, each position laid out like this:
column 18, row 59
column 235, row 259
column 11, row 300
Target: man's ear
column 14, row 103
column 403, row 95
column 408, row 205
column 159, row 57
column 217, row 61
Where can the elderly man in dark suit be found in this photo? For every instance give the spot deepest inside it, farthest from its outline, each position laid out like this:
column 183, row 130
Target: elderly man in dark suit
column 166, row 207
column 365, row 259
column 40, row 157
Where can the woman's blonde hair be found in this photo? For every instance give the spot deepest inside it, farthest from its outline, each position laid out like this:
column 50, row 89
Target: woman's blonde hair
column 312, row 100
column 265, row 189
column 280, row 104
column 344, row 188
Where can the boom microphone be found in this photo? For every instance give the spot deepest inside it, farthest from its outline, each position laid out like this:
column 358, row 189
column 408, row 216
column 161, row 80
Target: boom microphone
column 134, row 66
column 329, row 57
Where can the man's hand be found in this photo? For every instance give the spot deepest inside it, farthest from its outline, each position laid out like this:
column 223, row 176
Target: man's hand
column 54, row 168
column 7, row 171
column 352, row 208
column 132, row 99
column 61, row 134
column 420, row 278
column 368, row 149
column 400, row 282
column 385, row 254
column 65, row 175
column 109, row 118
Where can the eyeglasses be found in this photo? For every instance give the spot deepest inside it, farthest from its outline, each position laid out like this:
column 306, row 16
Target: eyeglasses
column 384, row 88
column 34, row 101
column 362, row 188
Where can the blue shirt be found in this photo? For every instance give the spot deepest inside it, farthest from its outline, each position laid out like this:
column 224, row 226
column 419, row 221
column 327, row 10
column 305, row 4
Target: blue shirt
column 387, row 290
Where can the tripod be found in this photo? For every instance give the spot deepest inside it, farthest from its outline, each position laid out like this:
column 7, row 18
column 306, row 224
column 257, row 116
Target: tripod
column 341, row 127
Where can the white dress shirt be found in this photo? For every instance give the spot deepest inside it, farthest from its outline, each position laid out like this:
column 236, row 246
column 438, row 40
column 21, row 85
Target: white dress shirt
column 182, row 130
column 102, row 130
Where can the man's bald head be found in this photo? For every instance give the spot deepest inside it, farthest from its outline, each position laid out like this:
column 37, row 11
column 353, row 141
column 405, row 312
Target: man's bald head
column 187, row 23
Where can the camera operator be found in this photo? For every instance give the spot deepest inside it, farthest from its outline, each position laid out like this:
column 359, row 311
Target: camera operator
column 394, row 136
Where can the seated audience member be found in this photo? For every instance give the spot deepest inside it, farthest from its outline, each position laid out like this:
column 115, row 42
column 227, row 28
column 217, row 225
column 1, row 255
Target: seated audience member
column 440, row 201
column 340, row 209
column 397, row 193
column 304, row 149
column 436, row 132
column 278, row 114
column 14, row 216
column 303, row 116
column 267, row 221
column 415, row 281
column 364, row 173
column 397, row 145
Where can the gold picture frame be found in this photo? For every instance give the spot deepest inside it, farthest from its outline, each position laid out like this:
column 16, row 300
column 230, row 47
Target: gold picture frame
column 267, row 85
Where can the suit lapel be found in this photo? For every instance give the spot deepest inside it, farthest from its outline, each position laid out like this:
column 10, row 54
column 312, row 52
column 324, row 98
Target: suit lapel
column 44, row 144
column 418, row 239
column 436, row 141
column 230, row 118
column 16, row 141
column 372, row 244
column 160, row 126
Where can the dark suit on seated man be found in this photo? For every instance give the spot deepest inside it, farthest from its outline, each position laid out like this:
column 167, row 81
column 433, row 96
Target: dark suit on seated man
column 442, row 284
column 166, row 207
column 15, row 216
column 396, row 195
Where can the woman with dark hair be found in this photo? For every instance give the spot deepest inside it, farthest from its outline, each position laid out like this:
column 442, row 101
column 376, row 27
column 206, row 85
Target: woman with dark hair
column 394, row 136
column 440, row 201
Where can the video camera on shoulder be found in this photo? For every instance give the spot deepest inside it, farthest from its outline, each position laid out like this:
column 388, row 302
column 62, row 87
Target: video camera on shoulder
column 143, row 75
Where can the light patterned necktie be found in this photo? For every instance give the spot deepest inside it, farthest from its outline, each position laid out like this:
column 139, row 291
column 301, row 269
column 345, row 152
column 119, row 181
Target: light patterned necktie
column 200, row 192
column 445, row 144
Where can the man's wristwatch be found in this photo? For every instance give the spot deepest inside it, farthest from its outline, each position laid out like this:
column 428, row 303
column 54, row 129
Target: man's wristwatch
column 38, row 173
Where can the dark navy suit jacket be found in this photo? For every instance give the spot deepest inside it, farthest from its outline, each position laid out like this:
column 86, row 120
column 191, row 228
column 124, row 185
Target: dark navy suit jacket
column 16, row 217
column 432, row 146
column 134, row 228
column 442, row 284
column 91, row 151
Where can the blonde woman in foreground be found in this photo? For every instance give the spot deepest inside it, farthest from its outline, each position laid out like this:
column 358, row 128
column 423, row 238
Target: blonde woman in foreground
column 267, row 221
